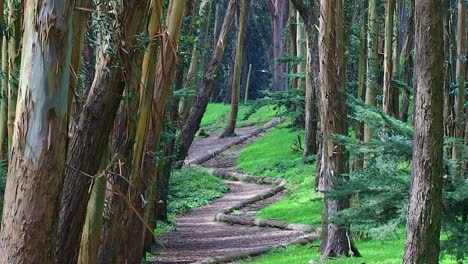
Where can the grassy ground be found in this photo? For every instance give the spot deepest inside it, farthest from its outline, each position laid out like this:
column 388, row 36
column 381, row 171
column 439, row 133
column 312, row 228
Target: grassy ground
column 190, row 189
column 216, row 111
column 274, row 156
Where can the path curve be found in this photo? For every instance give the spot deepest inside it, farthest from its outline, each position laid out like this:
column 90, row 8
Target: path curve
column 199, row 237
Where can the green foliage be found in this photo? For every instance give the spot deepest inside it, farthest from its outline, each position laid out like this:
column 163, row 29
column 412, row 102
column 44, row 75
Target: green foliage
column 289, row 103
column 189, row 189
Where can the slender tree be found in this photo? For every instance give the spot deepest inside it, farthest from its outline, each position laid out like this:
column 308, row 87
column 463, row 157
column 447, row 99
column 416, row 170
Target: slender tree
column 280, row 18
column 38, row 148
column 460, row 74
column 13, row 62
column 235, row 91
column 308, row 12
column 372, row 65
column 208, row 81
column 336, row 239
column 425, row 204
column 389, row 100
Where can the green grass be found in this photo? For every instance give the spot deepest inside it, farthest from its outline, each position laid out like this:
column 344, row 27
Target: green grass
column 189, row 189
column 273, row 156
column 213, row 113
column 216, row 111
column 375, row 252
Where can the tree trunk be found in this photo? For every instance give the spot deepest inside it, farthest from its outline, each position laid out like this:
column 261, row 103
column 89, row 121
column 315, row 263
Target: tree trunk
column 301, row 42
column 196, row 62
column 209, row 79
column 80, row 17
column 358, row 162
column 334, row 158
column 13, row 61
column 425, row 204
column 408, row 64
column 240, row 46
column 89, row 247
column 372, row 65
column 37, row 161
column 388, row 102
column 280, row 19
column 462, row 52
column 293, row 29
column 312, row 70
column 95, row 123
column 3, row 92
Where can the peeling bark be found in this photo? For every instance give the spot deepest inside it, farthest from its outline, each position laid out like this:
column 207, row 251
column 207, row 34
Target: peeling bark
column 37, row 157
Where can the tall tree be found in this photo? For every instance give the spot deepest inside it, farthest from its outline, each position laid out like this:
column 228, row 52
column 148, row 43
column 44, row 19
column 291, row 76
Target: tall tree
column 95, row 121
column 208, row 81
column 425, row 204
column 407, row 59
column 235, row 91
column 280, row 18
column 372, row 64
column 334, row 157
column 308, row 12
column 389, row 101
column 462, row 53
column 37, row 161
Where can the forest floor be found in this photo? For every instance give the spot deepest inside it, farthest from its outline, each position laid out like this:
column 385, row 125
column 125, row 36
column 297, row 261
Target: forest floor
column 198, row 236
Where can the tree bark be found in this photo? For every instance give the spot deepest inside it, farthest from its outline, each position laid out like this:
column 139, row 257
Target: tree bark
column 95, row 122
column 460, row 74
column 3, row 92
column 372, row 66
column 308, row 15
column 362, row 75
column 408, row 64
column 13, row 62
column 37, row 161
column 336, row 239
column 389, row 100
column 425, row 204
column 280, row 18
column 235, row 91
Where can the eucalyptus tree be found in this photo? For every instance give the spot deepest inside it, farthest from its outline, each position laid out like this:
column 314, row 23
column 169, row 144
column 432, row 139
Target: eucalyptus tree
column 121, row 21
column 333, row 161
column 235, row 91
column 308, row 12
column 208, row 81
column 38, row 149
column 425, row 203
column 372, row 64
column 280, row 17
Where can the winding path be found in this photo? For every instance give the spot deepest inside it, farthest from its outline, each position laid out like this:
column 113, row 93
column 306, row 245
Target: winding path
column 199, row 237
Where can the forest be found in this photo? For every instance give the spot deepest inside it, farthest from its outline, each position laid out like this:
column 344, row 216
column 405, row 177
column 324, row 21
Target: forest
column 234, row 131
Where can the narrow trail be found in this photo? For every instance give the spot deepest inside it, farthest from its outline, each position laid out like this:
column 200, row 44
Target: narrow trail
column 198, row 236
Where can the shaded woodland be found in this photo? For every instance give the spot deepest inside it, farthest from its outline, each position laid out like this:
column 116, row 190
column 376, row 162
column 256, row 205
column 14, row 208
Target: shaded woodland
column 101, row 101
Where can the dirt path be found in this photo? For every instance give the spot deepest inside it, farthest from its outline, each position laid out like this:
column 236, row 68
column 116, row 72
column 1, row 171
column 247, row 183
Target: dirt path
column 199, row 237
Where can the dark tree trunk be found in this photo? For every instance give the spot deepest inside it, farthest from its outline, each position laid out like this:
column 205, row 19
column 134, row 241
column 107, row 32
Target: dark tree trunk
column 425, row 204
column 408, row 64
column 94, row 126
